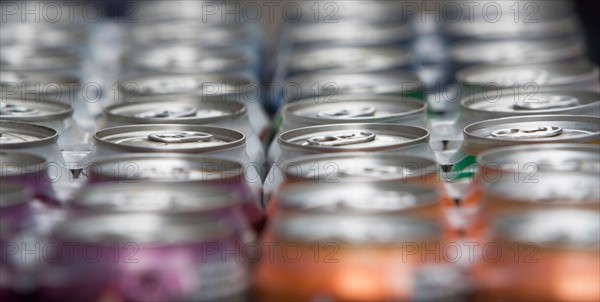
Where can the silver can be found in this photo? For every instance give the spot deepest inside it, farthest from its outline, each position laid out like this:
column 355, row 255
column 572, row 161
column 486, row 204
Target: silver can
column 529, row 78
column 193, row 110
column 353, row 109
column 238, row 87
column 187, row 59
column 507, row 103
column 352, row 168
column 30, row 138
column 172, row 138
column 345, row 59
column 540, row 129
column 322, row 87
column 19, row 57
column 399, row 139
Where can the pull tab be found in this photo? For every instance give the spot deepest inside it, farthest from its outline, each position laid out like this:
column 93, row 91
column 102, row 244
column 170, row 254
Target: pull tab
column 379, row 172
column 342, row 139
column 539, row 132
column 17, row 110
column 556, row 101
column 347, row 113
column 168, row 113
column 180, row 137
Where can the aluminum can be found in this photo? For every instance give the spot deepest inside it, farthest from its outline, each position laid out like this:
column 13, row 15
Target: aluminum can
column 21, row 57
column 172, row 138
column 507, row 103
column 351, row 33
column 184, row 257
column 343, row 59
column 562, row 245
column 164, row 198
column 241, row 88
column 529, row 78
column 180, row 169
column 30, row 138
column 188, row 59
column 42, row 34
column 516, row 52
column 343, row 138
column 352, row 168
column 344, row 109
column 193, row 110
column 322, row 87
column 351, row 249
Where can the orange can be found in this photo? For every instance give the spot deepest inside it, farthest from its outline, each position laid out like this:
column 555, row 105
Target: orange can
column 354, row 258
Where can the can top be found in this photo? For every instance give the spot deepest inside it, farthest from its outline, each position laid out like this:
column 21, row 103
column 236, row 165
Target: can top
column 507, row 29
column 329, row 85
column 352, row 109
column 169, row 138
column 37, row 82
column 29, row 110
column 542, row 102
column 184, row 31
column 353, row 137
column 184, row 109
column 545, row 158
column 553, row 74
column 20, row 57
column 309, row 59
column 187, row 58
column 17, row 163
column 532, row 129
column 370, row 198
column 516, row 51
column 15, row 135
column 168, row 168
column 160, row 198
column 358, row 167
column 356, row 229
column 352, row 33
column 141, row 228
column 557, row 229
column 201, row 84
column 564, row 189
column 12, row 195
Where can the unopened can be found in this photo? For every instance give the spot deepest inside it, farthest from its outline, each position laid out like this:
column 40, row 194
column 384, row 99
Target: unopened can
column 352, row 168
column 516, row 52
column 189, row 109
column 344, row 109
column 528, row 79
column 149, row 169
column 187, row 59
column 187, row 139
column 30, row 138
column 377, row 198
column 345, row 59
column 55, row 115
column 144, row 257
column 241, row 88
column 561, row 245
column 350, row 257
column 21, row 57
column 322, row 87
column 507, row 103
column 352, row 138
column 351, row 33
column 163, row 198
